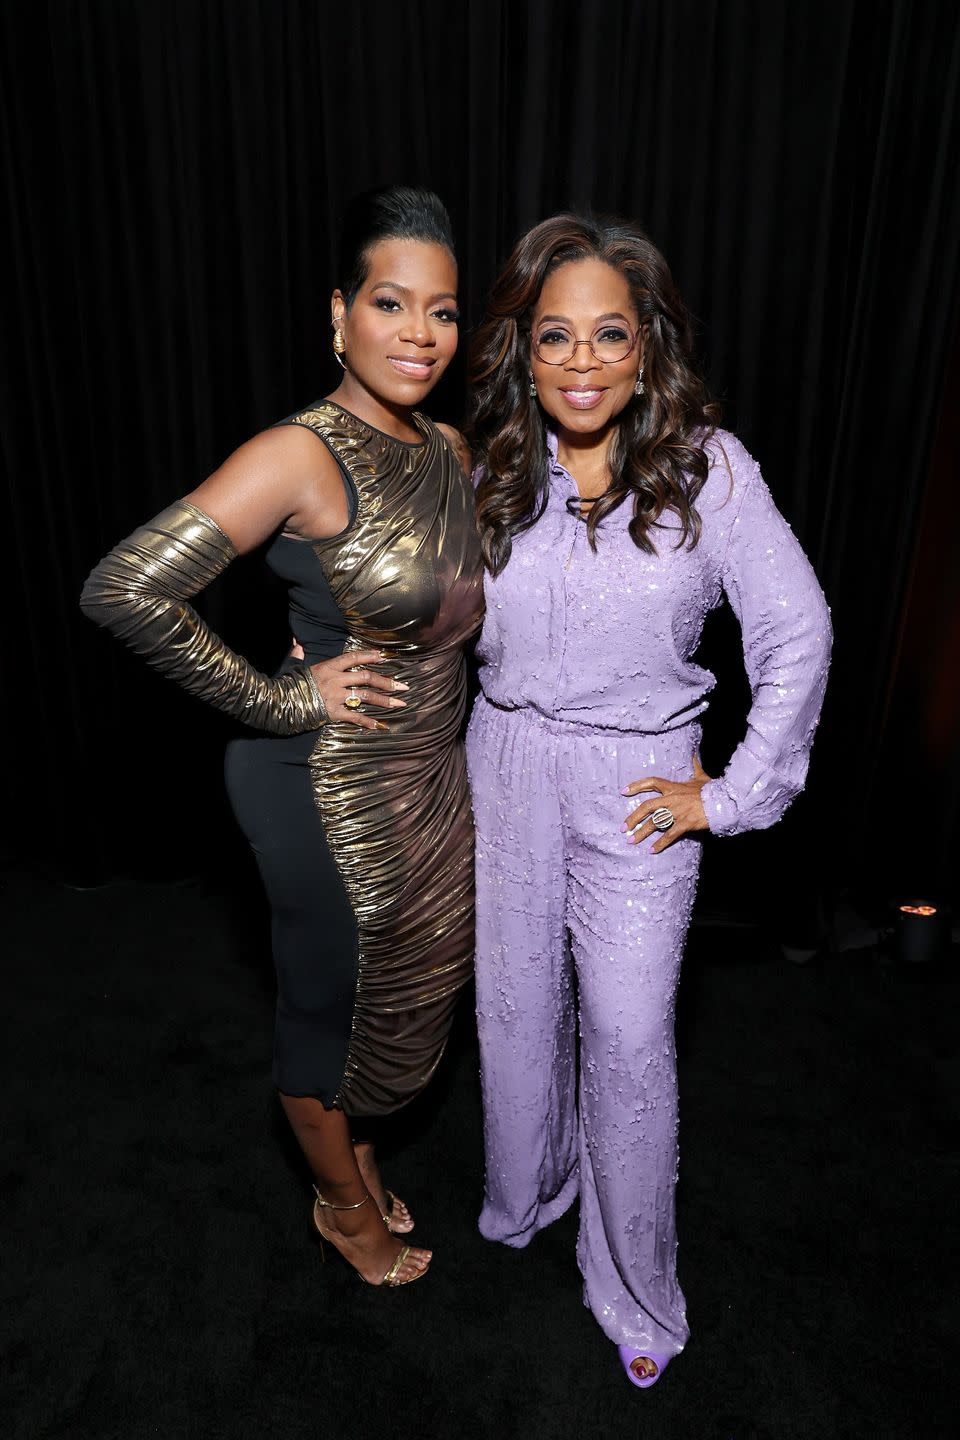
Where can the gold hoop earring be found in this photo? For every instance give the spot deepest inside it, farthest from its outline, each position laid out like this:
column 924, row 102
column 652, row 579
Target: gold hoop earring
column 339, row 346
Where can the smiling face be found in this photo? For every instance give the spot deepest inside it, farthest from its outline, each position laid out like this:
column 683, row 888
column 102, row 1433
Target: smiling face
column 400, row 331
column 585, row 300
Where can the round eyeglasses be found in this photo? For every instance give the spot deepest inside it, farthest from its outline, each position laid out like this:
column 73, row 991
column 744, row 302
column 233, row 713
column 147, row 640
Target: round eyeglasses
column 555, row 345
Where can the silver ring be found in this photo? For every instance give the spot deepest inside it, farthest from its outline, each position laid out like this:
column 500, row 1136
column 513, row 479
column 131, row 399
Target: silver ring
column 352, row 700
column 662, row 818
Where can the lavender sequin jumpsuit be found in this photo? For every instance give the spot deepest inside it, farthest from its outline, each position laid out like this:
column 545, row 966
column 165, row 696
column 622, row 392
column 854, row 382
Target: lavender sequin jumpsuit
column 587, row 684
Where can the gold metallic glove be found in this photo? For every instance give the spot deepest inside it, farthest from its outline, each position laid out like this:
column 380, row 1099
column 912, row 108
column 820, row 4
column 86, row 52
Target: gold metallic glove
column 138, row 592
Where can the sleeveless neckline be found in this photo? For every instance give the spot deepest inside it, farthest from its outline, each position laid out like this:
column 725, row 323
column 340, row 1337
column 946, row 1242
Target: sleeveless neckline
column 419, row 420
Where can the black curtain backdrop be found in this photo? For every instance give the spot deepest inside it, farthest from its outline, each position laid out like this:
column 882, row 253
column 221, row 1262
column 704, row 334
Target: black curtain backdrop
column 173, row 176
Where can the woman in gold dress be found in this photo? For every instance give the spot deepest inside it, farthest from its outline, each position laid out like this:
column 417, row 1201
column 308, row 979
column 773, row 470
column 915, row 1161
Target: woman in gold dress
column 354, row 798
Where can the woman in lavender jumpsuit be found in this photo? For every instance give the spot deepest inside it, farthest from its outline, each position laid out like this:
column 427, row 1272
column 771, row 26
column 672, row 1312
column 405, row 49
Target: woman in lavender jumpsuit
column 614, row 517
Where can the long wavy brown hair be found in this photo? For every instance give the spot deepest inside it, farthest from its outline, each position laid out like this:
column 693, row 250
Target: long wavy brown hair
column 657, row 453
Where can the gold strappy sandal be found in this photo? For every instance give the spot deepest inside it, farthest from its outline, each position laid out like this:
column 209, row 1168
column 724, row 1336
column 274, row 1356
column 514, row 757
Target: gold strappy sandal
column 390, row 1278
column 390, row 1218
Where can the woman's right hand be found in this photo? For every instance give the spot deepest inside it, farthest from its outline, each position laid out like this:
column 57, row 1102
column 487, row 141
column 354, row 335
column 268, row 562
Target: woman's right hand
column 345, row 676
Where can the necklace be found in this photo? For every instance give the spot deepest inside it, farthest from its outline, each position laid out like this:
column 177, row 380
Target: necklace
column 574, row 504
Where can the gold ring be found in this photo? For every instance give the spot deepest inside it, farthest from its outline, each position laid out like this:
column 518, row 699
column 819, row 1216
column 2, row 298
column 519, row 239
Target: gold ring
column 353, row 701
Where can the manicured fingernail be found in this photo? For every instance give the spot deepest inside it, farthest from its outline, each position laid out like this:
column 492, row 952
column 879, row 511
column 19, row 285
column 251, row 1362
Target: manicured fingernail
column 625, row 790
column 624, row 826
column 397, row 704
column 399, row 685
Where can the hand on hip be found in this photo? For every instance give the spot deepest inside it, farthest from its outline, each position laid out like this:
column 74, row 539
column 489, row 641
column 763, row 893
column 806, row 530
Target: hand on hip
column 346, row 685
column 676, row 811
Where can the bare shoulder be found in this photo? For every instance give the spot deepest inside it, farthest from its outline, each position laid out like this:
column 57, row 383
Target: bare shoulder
column 268, row 480
column 460, row 446
column 282, row 454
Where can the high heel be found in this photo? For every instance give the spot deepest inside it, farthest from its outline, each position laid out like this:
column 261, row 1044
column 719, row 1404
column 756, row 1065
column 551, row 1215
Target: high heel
column 391, row 1278
column 627, row 1357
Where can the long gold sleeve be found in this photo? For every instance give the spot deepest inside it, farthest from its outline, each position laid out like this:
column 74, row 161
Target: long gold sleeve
column 139, row 593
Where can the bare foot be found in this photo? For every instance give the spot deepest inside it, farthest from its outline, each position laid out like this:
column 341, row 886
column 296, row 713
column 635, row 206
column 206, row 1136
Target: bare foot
column 367, row 1245
column 392, row 1208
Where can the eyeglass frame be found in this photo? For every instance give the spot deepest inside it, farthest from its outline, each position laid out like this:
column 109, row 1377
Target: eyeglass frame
column 578, row 343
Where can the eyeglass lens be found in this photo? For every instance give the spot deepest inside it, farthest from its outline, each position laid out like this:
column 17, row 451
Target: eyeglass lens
column 556, row 345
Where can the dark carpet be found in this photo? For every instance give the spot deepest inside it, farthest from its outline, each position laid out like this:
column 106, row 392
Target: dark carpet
column 160, row 1279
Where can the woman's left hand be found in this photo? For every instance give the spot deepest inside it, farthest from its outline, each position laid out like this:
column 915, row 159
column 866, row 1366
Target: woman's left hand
column 680, row 797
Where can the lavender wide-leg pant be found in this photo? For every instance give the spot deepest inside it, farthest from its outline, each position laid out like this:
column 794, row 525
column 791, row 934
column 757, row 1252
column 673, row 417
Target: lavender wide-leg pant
column 552, row 859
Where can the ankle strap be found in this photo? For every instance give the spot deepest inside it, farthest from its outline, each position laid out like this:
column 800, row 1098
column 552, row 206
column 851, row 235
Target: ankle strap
column 329, row 1205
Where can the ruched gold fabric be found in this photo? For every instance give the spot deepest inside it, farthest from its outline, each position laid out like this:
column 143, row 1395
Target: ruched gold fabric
column 139, row 593
column 394, row 804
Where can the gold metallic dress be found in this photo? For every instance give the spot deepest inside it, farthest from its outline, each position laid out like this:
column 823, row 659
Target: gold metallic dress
column 364, row 838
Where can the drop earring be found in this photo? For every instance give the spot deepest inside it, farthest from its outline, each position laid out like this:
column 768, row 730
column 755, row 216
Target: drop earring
column 533, row 387
column 638, row 389
column 339, row 345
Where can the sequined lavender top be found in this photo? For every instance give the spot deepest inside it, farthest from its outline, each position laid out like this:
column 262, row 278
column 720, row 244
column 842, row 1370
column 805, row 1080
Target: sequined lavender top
column 605, row 639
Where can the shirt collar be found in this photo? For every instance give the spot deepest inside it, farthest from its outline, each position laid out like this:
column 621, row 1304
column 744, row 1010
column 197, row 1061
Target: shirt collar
column 552, row 449
column 563, row 485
